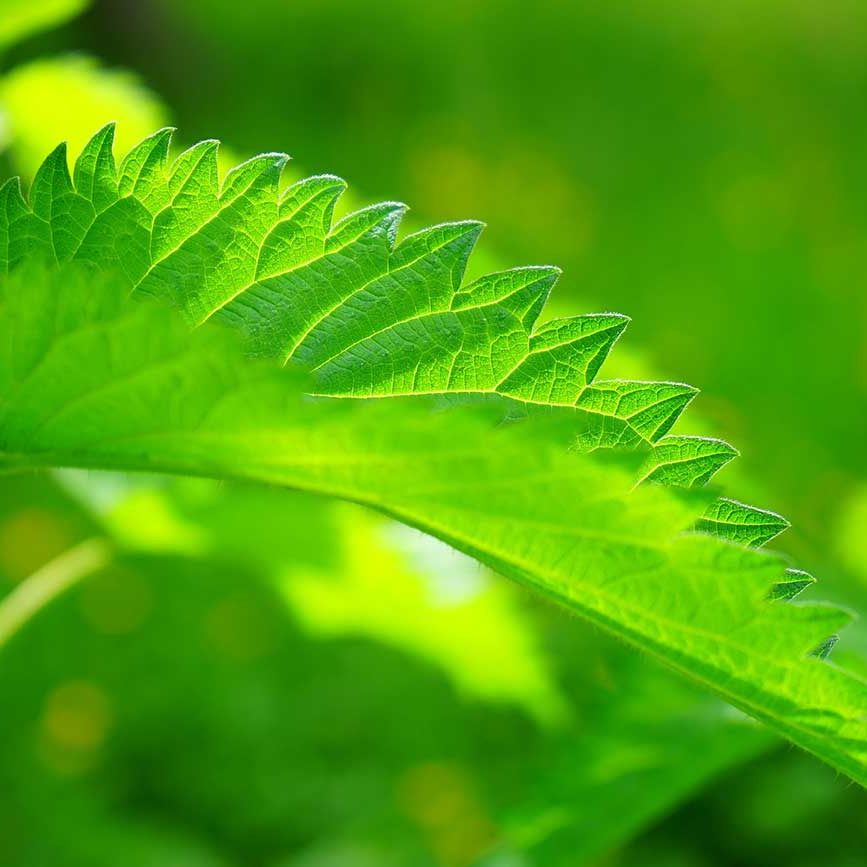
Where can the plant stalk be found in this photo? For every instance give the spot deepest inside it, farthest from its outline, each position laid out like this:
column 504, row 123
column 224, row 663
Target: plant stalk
column 47, row 583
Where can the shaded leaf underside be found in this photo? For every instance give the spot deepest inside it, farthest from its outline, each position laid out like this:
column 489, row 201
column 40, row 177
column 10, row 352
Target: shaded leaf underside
column 89, row 379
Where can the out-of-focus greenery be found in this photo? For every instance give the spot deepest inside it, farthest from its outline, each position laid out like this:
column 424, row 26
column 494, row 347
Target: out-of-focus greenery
column 698, row 166
column 81, row 95
column 175, row 679
column 21, row 18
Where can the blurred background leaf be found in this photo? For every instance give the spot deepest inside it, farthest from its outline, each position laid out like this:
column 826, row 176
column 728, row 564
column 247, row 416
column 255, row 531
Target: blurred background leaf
column 83, row 96
column 162, row 687
column 22, row 18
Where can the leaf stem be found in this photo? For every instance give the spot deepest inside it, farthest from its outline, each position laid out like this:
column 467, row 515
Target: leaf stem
column 47, row 583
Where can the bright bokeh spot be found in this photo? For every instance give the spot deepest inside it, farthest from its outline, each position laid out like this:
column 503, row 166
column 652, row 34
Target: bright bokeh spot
column 83, row 97
column 440, row 606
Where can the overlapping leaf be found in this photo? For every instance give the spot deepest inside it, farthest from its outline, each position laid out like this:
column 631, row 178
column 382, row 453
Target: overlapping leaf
column 89, row 379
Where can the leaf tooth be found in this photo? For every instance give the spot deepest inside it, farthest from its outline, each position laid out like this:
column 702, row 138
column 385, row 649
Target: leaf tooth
column 298, row 236
column 737, row 522
column 67, row 214
column 455, row 239
column 686, row 461
column 197, row 165
column 22, row 234
column 95, row 173
column 564, row 356
column 13, row 206
column 657, row 420
column 11, row 194
column 823, row 650
column 382, row 219
column 650, row 408
column 566, row 330
column 52, row 181
column 793, row 584
column 317, row 188
column 260, row 173
column 510, row 288
column 142, row 170
column 191, row 201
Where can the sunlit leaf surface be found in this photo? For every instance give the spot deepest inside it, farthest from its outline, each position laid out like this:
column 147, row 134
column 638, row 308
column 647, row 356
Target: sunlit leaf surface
column 590, row 503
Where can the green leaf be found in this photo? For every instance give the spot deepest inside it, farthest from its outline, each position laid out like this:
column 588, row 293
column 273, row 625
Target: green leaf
column 512, row 468
column 794, row 582
column 740, row 523
column 688, row 461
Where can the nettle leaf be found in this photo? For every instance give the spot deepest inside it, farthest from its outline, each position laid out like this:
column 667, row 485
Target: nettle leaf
column 491, row 431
